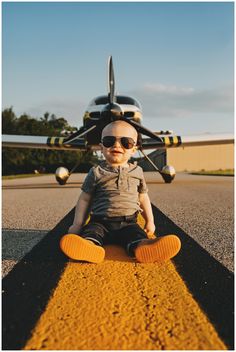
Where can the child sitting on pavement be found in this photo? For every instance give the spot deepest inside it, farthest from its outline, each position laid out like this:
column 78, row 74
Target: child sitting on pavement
column 114, row 192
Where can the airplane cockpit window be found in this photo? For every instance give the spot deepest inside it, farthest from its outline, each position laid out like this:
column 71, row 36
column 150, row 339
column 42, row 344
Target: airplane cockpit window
column 120, row 99
column 101, row 100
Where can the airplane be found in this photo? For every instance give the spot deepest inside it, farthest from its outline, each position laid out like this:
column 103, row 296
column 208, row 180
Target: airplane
column 101, row 111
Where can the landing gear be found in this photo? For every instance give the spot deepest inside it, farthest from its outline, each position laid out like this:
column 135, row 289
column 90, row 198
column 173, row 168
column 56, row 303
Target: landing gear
column 168, row 173
column 62, row 173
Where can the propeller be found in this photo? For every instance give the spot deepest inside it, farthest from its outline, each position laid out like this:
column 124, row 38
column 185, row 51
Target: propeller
column 111, row 111
column 111, row 81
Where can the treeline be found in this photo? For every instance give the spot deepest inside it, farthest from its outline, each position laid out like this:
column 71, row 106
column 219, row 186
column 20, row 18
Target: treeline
column 19, row 160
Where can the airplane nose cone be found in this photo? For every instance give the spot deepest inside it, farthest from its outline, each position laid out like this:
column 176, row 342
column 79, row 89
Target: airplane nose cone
column 112, row 112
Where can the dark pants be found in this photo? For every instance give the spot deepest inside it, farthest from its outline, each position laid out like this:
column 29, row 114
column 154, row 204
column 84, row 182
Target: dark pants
column 123, row 231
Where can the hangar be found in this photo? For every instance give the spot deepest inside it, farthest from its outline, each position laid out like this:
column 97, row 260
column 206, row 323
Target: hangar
column 211, row 157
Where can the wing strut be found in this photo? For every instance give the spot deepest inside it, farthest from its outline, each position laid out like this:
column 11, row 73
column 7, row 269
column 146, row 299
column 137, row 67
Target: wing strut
column 78, row 134
column 150, row 161
column 166, row 176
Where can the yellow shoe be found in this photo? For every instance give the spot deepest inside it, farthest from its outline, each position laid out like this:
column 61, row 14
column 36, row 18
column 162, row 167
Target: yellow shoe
column 78, row 248
column 158, row 250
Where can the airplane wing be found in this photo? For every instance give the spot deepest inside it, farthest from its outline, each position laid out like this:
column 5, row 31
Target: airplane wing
column 42, row 142
column 79, row 143
column 171, row 141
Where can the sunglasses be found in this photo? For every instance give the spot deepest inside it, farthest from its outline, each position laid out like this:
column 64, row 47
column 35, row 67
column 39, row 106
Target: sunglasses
column 126, row 142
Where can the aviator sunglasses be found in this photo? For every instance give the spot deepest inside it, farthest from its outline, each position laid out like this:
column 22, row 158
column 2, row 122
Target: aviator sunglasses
column 126, row 142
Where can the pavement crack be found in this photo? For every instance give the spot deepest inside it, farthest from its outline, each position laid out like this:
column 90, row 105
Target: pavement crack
column 150, row 319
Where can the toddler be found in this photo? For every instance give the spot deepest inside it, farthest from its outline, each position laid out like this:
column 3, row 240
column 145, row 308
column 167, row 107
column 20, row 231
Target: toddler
column 113, row 193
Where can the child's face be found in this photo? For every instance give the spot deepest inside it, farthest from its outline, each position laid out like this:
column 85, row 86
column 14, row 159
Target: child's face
column 117, row 154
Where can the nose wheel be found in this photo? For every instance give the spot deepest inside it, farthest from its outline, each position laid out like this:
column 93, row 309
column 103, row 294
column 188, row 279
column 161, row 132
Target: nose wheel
column 168, row 173
column 62, row 174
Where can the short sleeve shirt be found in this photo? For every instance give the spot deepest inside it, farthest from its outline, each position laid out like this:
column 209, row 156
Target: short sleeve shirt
column 115, row 190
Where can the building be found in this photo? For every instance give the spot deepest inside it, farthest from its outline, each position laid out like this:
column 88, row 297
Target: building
column 197, row 158
column 210, row 157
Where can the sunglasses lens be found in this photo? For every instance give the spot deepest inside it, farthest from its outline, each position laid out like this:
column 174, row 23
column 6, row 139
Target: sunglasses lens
column 108, row 141
column 127, row 142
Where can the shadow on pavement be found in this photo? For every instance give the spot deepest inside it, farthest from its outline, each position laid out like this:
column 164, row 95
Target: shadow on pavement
column 28, row 287
column 211, row 284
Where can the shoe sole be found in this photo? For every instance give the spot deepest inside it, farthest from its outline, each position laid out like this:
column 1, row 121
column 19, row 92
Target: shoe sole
column 159, row 251
column 78, row 248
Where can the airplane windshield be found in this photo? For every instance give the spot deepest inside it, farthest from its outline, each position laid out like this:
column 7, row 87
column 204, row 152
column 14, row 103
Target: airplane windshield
column 120, row 99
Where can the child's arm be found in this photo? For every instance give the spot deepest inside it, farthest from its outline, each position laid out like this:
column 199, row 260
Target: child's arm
column 81, row 212
column 147, row 213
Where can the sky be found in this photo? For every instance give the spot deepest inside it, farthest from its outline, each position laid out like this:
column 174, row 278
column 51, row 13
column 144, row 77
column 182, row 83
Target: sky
column 176, row 58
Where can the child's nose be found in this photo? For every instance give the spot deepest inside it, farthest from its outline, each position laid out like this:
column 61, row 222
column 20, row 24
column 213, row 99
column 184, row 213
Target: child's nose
column 117, row 143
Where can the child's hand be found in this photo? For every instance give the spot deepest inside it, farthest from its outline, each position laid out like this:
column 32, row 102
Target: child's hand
column 150, row 229
column 75, row 228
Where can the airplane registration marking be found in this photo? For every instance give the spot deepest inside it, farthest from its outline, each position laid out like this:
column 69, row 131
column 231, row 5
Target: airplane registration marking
column 120, row 304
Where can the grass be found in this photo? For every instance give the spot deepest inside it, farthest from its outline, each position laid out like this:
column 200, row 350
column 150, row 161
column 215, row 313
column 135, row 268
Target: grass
column 226, row 172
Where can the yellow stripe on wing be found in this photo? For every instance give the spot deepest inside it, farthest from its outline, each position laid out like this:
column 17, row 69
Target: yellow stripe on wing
column 167, row 141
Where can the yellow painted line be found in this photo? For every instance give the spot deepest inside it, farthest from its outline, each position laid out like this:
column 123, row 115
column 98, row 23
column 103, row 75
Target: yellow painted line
column 122, row 305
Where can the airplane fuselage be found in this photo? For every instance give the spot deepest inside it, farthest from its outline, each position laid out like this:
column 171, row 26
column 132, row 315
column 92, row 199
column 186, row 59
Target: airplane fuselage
column 131, row 110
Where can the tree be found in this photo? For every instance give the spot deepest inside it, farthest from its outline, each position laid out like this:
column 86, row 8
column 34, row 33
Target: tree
column 9, row 121
column 19, row 160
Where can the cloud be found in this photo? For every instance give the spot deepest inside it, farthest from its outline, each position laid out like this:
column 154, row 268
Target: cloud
column 165, row 102
column 164, row 89
column 175, row 101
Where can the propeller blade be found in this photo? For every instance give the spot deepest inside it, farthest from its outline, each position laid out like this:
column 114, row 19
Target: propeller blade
column 144, row 130
column 111, row 81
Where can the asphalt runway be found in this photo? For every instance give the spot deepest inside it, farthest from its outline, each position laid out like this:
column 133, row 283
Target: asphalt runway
column 119, row 304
